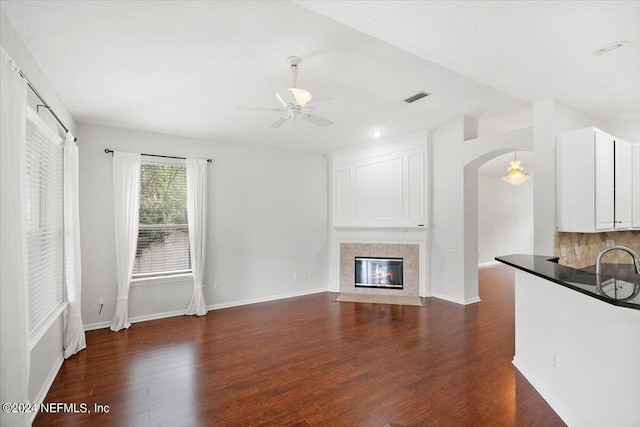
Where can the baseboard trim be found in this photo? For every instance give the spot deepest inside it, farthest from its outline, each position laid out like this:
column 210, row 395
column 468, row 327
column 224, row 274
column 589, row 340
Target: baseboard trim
column 265, row 299
column 136, row 319
column 456, row 300
column 488, row 263
column 544, row 392
column 97, row 325
column 156, row 316
column 47, row 385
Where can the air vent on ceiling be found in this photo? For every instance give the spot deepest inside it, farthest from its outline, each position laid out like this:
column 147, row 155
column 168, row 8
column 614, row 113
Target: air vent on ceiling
column 416, row 97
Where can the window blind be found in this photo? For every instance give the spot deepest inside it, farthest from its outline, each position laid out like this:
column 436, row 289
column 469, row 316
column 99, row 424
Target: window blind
column 44, row 221
column 163, row 239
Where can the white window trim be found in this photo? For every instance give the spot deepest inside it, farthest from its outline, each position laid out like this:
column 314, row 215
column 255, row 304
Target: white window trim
column 45, row 325
column 175, row 278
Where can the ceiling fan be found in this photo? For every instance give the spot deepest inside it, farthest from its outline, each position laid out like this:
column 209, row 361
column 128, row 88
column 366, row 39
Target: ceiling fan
column 295, row 102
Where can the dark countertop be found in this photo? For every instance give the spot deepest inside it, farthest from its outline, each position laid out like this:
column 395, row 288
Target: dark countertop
column 584, row 280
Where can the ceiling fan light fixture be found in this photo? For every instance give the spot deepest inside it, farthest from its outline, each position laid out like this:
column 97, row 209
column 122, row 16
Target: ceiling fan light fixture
column 295, row 102
column 302, row 96
column 515, row 173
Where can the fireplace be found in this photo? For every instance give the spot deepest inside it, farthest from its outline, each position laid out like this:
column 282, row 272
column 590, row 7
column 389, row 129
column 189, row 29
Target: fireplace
column 385, row 273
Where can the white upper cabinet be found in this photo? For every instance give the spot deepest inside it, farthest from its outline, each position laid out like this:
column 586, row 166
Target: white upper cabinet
column 635, row 185
column 387, row 190
column 594, row 182
column 623, row 180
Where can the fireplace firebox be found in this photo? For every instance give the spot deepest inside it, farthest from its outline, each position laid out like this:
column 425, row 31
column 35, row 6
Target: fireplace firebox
column 379, row 273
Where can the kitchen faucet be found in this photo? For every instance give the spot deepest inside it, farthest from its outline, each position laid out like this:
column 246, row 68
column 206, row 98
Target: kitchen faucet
column 636, row 259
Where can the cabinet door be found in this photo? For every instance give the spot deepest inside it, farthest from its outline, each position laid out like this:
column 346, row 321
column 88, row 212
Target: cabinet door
column 622, row 184
column 604, row 178
column 388, row 190
column 635, row 184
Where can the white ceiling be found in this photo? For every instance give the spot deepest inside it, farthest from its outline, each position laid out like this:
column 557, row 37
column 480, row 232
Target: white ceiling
column 180, row 67
column 533, row 50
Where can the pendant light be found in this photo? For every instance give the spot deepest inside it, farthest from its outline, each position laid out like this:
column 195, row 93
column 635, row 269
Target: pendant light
column 515, row 173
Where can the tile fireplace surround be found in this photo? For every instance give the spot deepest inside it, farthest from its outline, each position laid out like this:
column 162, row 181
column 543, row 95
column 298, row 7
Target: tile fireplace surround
column 411, row 266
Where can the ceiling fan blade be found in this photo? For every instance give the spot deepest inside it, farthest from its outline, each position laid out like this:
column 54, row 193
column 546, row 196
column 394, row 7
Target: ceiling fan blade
column 279, row 122
column 280, row 99
column 337, row 104
column 242, row 107
column 317, row 120
column 285, row 96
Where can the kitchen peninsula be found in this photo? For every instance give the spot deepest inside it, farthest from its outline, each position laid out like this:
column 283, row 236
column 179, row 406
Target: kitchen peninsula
column 577, row 345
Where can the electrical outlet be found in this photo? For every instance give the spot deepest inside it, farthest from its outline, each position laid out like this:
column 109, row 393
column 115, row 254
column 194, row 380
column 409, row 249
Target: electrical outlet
column 100, row 300
column 295, row 275
column 310, row 275
column 576, row 249
column 452, row 250
column 216, row 286
column 554, row 362
column 610, row 243
column 563, row 251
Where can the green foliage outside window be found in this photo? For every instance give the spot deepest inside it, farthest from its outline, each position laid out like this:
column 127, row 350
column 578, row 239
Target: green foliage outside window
column 163, row 201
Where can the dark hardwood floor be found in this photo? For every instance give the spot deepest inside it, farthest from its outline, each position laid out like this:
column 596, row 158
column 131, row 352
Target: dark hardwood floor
column 310, row 361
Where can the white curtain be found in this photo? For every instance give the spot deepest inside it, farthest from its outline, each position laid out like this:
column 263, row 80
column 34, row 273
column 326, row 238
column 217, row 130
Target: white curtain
column 14, row 315
column 126, row 204
column 74, row 339
column 197, row 218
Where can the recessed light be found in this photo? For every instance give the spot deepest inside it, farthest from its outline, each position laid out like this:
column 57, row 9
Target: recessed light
column 376, row 133
column 611, row 48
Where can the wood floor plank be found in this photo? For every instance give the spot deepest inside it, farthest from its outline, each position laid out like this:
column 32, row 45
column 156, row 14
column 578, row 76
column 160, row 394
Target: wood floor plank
column 310, row 361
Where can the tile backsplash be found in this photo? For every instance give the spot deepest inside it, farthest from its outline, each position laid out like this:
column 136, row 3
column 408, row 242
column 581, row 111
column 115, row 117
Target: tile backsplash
column 590, row 244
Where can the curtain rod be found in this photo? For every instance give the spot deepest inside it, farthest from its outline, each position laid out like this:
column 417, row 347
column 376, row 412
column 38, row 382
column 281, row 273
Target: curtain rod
column 45, row 104
column 106, row 150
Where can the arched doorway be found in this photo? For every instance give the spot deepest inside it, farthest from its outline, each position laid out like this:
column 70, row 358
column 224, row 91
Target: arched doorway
column 505, row 211
column 494, row 146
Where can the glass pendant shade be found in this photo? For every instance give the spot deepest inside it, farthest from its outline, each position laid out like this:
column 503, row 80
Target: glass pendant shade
column 515, row 173
column 302, row 96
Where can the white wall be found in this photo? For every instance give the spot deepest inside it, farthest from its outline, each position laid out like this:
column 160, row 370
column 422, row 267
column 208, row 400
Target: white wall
column 505, row 218
column 46, row 356
column 267, row 214
column 457, row 154
column 505, row 121
column 629, row 130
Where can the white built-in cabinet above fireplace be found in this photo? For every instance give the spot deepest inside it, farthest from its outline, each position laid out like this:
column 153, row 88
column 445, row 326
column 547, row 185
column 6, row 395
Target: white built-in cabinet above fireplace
column 384, row 187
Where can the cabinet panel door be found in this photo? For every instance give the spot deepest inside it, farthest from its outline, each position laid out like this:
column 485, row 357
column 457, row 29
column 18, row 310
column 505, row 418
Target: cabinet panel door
column 636, row 186
column 343, row 194
column 415, row 183
column 622, row 184
column 604, row 178
column 379, row 190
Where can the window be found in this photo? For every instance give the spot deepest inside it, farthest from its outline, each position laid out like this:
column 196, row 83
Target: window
column 44, row 223
column 163, row 239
